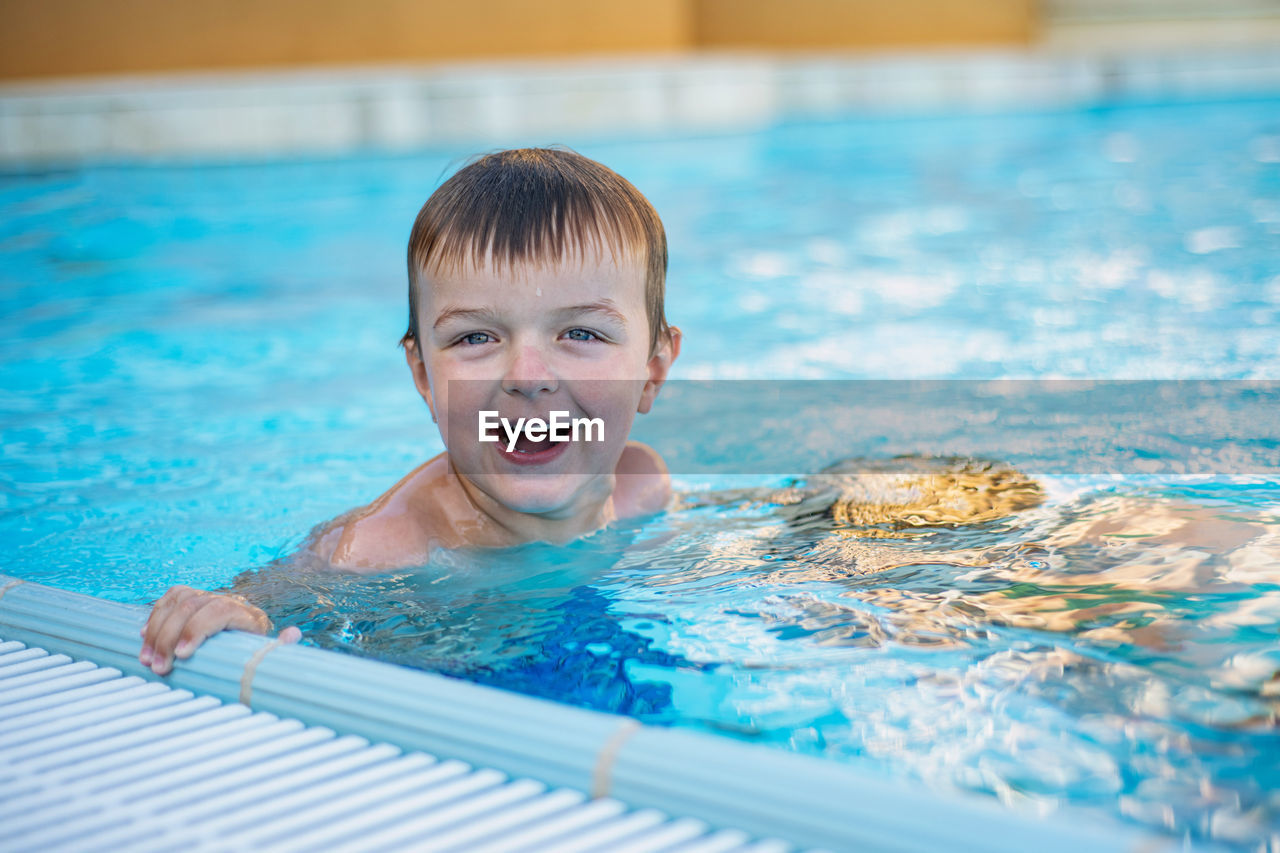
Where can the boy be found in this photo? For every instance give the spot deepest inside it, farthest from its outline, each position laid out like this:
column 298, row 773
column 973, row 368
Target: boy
column 536, row 281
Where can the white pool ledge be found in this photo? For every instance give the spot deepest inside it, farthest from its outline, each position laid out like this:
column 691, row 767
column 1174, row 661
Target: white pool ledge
column 719, row 782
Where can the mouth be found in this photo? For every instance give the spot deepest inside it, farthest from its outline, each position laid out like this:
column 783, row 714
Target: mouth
column 530, row 452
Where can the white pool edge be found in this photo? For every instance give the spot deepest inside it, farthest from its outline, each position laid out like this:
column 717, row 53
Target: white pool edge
column 765, row 791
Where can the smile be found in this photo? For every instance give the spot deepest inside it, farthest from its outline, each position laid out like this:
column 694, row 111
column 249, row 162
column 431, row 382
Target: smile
column 529, row 452
column 558, row 427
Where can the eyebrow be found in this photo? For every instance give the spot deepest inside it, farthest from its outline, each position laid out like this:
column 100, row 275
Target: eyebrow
column 603, row 306
column 481, row 314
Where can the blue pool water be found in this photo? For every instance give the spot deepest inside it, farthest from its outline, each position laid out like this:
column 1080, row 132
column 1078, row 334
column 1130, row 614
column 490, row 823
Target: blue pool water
column 199, row 364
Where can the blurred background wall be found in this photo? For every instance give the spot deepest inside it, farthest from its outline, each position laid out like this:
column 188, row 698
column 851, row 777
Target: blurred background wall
column 41, row 38
column 84, row 79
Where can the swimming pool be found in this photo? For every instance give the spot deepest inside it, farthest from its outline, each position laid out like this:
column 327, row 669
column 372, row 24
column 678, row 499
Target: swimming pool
column 199, row 364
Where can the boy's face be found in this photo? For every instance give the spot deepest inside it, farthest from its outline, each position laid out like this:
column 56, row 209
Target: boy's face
column 566, row 336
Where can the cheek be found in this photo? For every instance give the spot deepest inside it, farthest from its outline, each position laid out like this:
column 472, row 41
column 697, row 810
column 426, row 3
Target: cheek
column 458, row 406
column 614, row 401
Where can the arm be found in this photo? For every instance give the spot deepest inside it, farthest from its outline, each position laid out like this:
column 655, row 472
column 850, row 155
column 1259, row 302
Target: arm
column 184, row 617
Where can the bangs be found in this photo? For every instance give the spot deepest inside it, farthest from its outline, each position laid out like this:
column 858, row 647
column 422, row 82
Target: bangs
column 524, row 206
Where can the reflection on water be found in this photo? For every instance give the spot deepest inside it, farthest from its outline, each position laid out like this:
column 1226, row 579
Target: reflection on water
column 905, row 497
column 947, row 620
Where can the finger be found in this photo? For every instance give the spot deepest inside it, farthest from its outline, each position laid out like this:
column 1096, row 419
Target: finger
column 162, row 606
column 165, row 636
column 160, row 612
column 218, row 613
column 290, row 635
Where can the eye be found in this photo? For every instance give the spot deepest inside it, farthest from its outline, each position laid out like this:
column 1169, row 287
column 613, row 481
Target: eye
column 476, row 338
column 581, row 335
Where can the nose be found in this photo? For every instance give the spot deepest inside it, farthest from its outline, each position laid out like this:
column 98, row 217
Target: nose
column 529, row 374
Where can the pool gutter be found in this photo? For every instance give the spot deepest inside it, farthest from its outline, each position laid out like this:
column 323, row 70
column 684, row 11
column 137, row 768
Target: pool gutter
column 769, row 792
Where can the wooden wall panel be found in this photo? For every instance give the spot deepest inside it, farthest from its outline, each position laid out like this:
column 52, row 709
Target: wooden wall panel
column 63, row 37
column 41, row 38
column 835, row 24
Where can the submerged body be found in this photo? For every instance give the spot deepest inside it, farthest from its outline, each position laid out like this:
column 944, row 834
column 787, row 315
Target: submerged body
column 432, row 508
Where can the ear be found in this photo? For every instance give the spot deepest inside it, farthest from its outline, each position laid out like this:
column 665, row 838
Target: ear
column 418, row 368
column 659, row 366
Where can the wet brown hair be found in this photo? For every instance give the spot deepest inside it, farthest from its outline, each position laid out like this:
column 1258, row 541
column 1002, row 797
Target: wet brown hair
column 528, row 205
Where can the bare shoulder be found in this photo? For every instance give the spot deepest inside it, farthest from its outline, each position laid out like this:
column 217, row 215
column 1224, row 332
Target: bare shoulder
column 644, row 483
column 390, row 532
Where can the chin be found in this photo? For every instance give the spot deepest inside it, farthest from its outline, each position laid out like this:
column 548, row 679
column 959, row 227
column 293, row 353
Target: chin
column 538, row 494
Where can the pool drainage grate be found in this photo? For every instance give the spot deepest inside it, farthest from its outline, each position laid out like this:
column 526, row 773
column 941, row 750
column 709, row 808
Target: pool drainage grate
column 92, row 759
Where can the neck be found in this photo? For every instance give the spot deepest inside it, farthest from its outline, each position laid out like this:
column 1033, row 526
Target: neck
column 502, row 526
